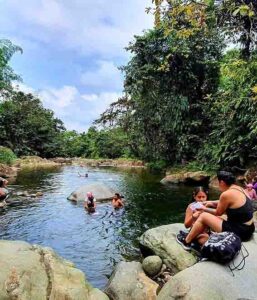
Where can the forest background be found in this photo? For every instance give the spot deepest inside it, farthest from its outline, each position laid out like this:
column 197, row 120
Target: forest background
column 190, row 95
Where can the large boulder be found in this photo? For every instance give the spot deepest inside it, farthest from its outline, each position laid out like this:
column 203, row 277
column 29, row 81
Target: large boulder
column 198, row 177
column 100, row 191
column 34, row 272
column 129, row 282
column 161, row 241
column 208, row 280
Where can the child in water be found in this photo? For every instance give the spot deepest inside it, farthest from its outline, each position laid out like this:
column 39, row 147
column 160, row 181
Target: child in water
column 90, row 203
column 116, row 201
column 199, row 196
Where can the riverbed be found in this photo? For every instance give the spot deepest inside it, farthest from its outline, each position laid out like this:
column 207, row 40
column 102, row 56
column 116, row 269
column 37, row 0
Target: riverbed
column 93, row 242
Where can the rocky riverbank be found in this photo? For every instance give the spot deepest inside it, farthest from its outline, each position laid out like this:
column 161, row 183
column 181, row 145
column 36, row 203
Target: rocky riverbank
column 187, row 278
column 34, row 272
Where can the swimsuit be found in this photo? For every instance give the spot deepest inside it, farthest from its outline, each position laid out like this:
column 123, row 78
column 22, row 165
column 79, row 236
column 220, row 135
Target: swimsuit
column 237, row 217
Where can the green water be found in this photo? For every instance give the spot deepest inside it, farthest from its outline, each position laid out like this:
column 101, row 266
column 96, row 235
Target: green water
column 95, row 243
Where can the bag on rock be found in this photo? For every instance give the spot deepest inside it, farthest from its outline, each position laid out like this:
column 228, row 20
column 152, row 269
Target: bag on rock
column 222, row 247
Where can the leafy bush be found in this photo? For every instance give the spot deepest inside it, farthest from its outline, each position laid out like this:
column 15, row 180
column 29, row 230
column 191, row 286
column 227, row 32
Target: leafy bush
column 6, row 156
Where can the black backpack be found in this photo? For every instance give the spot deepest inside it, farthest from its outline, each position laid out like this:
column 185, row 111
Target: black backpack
column 222, row 247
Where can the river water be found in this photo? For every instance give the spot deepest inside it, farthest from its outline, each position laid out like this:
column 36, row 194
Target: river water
column 96, row 242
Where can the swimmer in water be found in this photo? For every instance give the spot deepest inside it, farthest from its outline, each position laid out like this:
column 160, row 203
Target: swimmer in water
column 117, row 202
column 90, row 203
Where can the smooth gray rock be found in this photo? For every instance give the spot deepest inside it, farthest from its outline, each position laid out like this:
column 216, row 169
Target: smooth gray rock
column 161, row 241
column 209, row 280
column 100, row 191
column 34, row 272
column 152, row 265
column 198, row 177
column 129, row 282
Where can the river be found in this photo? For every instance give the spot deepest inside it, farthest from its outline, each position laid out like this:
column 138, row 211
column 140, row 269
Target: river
column 94, row 243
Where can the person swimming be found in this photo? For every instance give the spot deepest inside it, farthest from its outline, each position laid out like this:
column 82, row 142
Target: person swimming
column 90, row 203
column 117, row 202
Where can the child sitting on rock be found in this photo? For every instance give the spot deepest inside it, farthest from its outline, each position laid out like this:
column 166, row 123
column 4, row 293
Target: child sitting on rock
column 199, row 196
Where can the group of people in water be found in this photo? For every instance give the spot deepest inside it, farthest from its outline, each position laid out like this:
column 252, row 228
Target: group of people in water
column 90, row 202
column 233, row 212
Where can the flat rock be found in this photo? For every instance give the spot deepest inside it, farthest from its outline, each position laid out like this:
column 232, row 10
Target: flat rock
column 129, row 282
column 161, row 241
column 100, row 191
column 198, row 177
column 209, row 280
column 34, row 272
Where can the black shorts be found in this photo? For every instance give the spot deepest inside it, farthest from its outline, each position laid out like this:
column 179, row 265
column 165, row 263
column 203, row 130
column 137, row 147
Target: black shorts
column 242, row 230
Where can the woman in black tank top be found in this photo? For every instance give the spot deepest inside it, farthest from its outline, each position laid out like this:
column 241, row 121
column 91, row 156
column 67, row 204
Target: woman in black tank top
column 233, row 202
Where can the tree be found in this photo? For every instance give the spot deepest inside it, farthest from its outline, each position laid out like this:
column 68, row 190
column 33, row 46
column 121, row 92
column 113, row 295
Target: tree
column 27, row 127
column 238, row 21
column 7, row 75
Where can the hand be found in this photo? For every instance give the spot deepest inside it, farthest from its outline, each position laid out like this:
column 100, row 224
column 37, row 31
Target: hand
column 196, row 214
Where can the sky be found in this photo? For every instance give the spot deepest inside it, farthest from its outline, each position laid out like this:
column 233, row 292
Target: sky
column 72, row 50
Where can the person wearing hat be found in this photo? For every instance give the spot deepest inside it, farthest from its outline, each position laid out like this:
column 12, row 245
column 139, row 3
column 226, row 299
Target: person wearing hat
column 251, row 191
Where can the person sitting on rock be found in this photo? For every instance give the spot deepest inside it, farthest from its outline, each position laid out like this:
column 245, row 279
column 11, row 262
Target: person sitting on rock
column 251, row 191
column 199, row 196
column 90, row 203
column 234, row 202
column 116, row 201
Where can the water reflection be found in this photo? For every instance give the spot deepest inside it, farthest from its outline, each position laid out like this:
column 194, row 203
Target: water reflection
column 96, row 242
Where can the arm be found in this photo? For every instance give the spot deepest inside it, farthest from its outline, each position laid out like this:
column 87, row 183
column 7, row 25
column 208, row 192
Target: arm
column 221, row 207
column 189, row 219
column 254, row 195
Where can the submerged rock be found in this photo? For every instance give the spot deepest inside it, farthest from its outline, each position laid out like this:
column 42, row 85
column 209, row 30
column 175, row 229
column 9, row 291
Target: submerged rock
column 209, row 280
column 161, row 241
column 129, row 282
column 34, row 272
column 199, row 177
column 100, row 191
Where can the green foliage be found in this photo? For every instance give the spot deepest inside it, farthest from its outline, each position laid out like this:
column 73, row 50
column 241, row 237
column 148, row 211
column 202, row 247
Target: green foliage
column 233, row 140
column 7, row 75
column 111, row 143
column 166, row 83
column 7, row 156
column 27, row 127
column 237, row 20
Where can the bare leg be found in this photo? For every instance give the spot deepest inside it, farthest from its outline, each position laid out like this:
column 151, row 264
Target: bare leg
column 202, row 238
column 205, row 220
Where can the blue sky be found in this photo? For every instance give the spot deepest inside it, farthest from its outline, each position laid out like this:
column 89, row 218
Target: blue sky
column 71, row 51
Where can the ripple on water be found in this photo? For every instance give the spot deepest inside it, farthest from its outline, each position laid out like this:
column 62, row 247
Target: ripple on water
column 95, row 243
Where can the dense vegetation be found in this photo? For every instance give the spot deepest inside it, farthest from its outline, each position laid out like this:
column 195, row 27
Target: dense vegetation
column 187, row 97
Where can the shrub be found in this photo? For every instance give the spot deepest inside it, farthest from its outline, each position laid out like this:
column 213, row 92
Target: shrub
column 7, row 156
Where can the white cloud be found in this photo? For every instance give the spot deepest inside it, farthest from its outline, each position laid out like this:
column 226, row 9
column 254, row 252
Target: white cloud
column 89, row 27
column 59, row 98
column 75, row 109
column 106, row 76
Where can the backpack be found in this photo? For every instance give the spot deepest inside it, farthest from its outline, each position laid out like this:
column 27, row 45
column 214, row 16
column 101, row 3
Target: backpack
column 221, row 247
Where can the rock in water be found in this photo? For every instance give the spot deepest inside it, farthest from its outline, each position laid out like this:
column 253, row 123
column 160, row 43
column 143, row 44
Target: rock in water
column 209, row 280
column 152, row 265
column 100, row 191
column 129, row 282
column 161, row 241
column 34, row 272
column 198, row 177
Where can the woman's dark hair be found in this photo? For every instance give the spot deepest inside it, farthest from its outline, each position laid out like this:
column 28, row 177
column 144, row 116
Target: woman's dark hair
column 118, row 195
column 197, row 190
column 228, row 177
column 1, row 183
